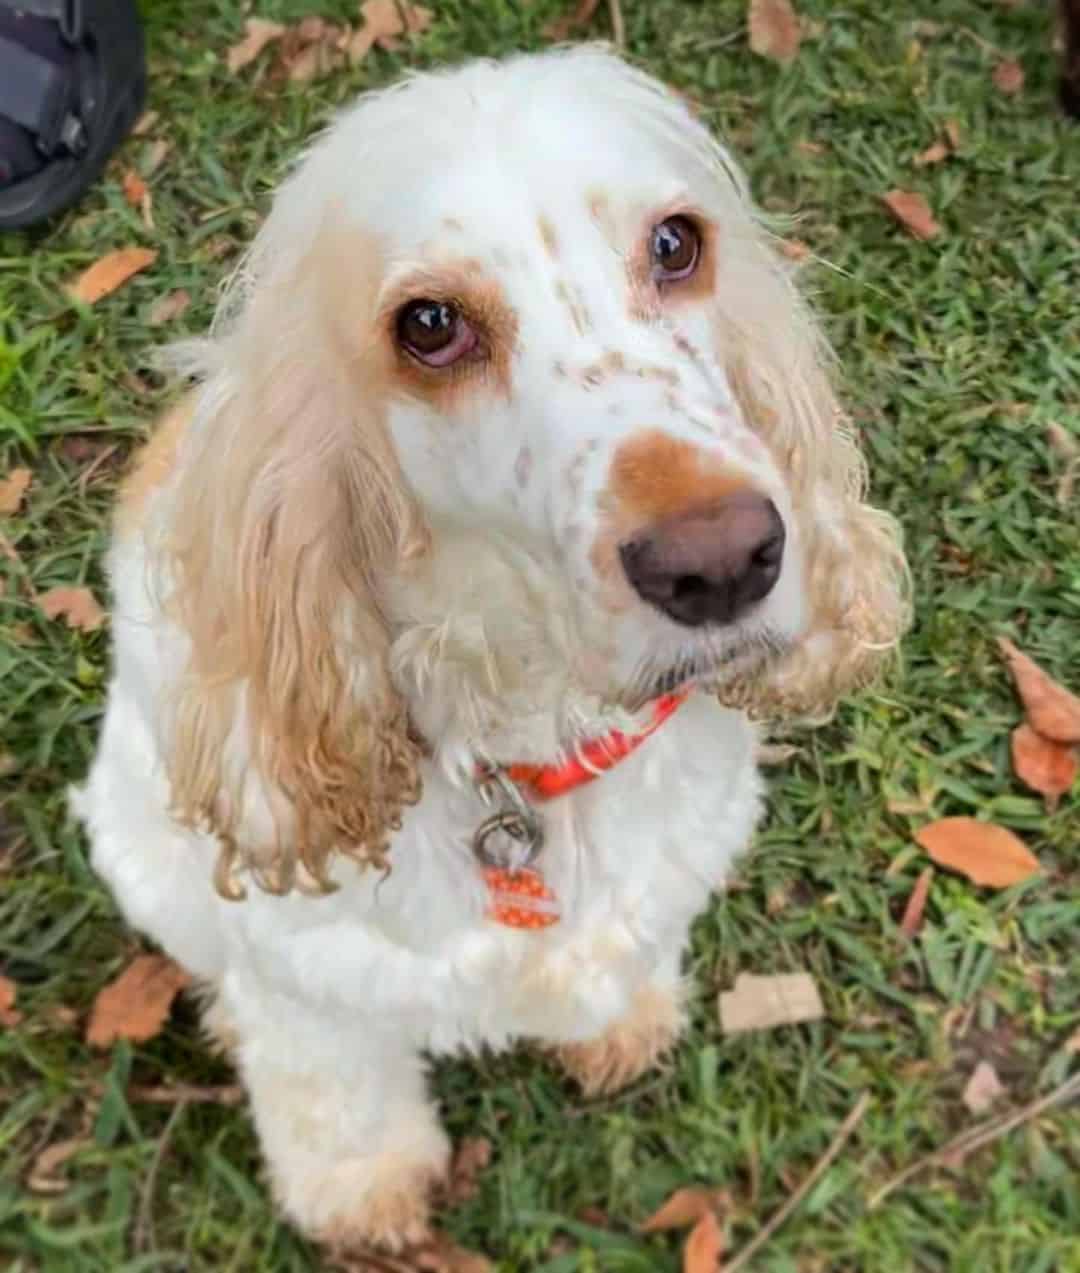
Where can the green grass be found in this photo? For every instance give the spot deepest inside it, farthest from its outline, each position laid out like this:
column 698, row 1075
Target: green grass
column 957, row 354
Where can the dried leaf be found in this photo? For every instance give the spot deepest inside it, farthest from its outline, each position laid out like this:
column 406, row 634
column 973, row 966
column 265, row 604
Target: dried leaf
column 952, row 134
column 12, row 489
column 1051, row 710
column 168, row 307
column 135, row 189
column 932, row 155
column 759, row 1003
column 684, row 1208
column 794, row 249
column 983, row 1088
column 562, row 28
column 913, row 213
column 136, row 1005
column 9, row 1014
column 472, row 1156
column 775, row 30
column 383, row 21
column 982, row 851
column 258, row 33
column 1067, row 449
column 78, row 606
column 916, row 904
column 704, row 1246
column 144, row 123
column 441, row 1254
column 810, row 147
column 1045, row 766
column 155, row 156
column 1008, row 77
column 45, row 1175
column 112, row 271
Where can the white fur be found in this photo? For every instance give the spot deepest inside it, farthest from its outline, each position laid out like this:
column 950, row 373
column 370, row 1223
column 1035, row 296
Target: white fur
column 503, row 642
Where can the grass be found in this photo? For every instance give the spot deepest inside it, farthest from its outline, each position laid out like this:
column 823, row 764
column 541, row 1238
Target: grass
column 958, row 354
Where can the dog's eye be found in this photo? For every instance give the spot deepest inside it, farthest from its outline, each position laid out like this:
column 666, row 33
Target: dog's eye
column 435, row 332
column 675, row 248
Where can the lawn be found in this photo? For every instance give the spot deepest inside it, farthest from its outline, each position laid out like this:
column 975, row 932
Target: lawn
column 957, row 353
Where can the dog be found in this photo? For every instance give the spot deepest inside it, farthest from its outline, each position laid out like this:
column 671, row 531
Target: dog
column 512, row 488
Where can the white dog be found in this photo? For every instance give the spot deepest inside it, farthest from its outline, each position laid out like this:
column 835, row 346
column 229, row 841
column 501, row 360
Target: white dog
column 514, row 457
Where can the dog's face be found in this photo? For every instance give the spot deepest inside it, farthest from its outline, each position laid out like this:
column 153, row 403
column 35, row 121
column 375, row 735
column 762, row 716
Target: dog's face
column 562, row 415
column 515, row 418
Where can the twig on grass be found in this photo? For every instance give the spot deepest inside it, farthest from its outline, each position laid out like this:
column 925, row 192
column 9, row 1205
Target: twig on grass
column 821, row 1167
column 143, row 1236
column 975, row 1137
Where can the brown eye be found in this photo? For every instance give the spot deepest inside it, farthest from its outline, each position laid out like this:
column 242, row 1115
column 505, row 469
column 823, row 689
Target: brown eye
column 435, row 332
column 675, row 248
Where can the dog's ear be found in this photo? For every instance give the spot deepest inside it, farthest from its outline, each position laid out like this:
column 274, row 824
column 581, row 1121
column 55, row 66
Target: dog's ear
column 857, row 583
column 285, row 736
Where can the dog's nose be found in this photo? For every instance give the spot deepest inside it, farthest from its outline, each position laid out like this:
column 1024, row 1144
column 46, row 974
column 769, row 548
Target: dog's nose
column 711, row 564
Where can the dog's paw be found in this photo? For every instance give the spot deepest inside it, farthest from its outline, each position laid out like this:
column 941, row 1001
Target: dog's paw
column 382, row 1202
column 629, row 1047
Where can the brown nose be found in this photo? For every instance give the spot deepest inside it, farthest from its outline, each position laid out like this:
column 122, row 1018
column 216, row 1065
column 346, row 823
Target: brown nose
column 709, row 565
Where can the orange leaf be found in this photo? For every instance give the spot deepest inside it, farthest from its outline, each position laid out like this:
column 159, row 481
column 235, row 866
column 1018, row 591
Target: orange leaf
column 704, row 1246
column 1051, row 710
column 384, row 20
column 775, row 30
column 112, row 271
column 1047, row 767
column 1008, row 77
column 913, row 213
column 987, row 854
column 931, row 155
column 258, row 33
column 916, row 904
column 12, row 489
column 136, row 1004
column 135, row 189
column 77, row 605
column 168, row 307
column 9, row 1014
column 684, row 1208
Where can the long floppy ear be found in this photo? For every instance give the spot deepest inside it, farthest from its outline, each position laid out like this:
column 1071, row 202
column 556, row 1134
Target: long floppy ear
column 285, row 736
column 857, row 580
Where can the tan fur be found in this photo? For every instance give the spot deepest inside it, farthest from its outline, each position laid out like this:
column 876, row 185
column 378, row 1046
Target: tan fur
column 391, row 1218
column 654, row 475
column 153, row 465
column 288, row 503
column 629, row 1048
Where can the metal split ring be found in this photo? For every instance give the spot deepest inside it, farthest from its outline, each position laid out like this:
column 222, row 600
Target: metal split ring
column 516, row 819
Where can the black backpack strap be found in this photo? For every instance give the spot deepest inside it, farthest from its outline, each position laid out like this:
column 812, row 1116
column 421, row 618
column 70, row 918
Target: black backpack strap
column 37, row 94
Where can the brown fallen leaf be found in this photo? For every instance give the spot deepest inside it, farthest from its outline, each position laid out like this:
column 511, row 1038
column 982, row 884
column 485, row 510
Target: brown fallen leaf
column 1008, row 77
column 580, row 16
column 77, row 606
column 135, row 189
column 913, row 213
column 704, row 1246
column 1045, row 766
column 985, row 853
column 916, row 904
column 383, row 21
column 168, row 307
column 258, row 33
column 1051, row 709
column 12, row 489
column 794, row 249
column 112, row 271
column 685, row 1207
column 9, row 1014
column 805, row 147
column 932, row 155
column 775, row 30
column 443, row 1255
column 1067, row 449
column 470, row 1159
column 759, row 1003
column 45, row 1175
column 136, row 1005
column 983, row 1088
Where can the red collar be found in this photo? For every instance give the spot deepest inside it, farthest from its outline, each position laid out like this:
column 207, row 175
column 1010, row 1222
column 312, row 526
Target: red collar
column 597, row 756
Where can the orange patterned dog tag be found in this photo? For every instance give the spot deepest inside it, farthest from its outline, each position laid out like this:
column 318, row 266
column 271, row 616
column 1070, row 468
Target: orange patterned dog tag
column 520, row 899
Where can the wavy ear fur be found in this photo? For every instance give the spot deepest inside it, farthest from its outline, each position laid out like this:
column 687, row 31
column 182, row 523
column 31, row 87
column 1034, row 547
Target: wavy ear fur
column 286, row 738
column 856, row 575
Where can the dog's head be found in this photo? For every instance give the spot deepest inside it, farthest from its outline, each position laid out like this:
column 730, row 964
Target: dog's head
column 513, row 418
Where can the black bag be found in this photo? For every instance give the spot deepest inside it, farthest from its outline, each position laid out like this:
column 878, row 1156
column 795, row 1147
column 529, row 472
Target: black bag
column 72, row 84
